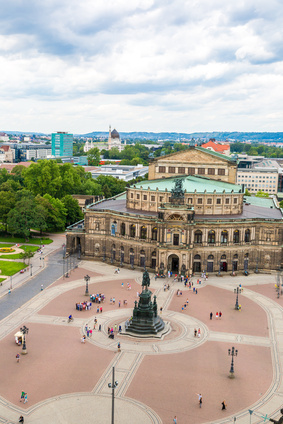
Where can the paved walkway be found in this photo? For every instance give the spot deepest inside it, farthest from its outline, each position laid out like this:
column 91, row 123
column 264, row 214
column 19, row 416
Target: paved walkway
column 86, row 407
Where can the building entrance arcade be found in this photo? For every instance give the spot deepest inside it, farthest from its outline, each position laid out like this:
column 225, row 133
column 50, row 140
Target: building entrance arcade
column 173, row 263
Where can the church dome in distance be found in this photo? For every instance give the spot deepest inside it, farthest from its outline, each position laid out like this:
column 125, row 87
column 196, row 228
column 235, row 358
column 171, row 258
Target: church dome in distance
column 115, row 134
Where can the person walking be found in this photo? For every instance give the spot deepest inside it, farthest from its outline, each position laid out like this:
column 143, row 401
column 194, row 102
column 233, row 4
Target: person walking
column 21, row 419
column 223, row 405
column 26, row 398
column 18, row 357
column 199, row 399
column 175, row 419
column 220, row 315
column 119, row 347
column 22, row 395
column 210, row 315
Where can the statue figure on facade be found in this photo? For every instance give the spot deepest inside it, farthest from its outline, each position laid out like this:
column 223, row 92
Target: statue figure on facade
column 280, row 421
column 145, row 279
column 177, row 191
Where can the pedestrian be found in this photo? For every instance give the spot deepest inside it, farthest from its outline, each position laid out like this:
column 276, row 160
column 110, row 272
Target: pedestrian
column 196, row 291
column 21, row 419
column 101, row 309
column 41, row 287
column 120, row 328
column 90, row 333
column 175, row 419
column 199, row 332
column 113, row 300
column 199, row 399
column 119, row 347
column 223, row 405
column 95, row 320
column 211, row 315
column 97, row 310
column 115, row 327
column 99, row 328
column 26, row 398
column 87, row 332
column 216, row 315
column 195, row 332
column 108, row 330
column 220, row 315
column 161, row 310
column 18, row 357
column 86, row 328
column 22, row 396
column 119, row 303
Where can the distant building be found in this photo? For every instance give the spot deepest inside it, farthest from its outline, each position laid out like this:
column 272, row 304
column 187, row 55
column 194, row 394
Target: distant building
column 114, row 140
column 121, row 172
column 259, row 179
column 91, row 144
column 4, row 136
column 222, row 148
column 6, row 154
column 62, row 144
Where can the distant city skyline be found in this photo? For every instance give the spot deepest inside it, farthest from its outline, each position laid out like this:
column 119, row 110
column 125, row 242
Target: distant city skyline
column 143, row 65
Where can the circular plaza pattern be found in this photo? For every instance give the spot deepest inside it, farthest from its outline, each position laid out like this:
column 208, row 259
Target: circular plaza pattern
column 158, row 378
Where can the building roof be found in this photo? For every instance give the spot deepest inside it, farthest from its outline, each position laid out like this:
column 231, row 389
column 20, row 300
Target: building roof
column 5, row 148
column 115, row 134
column 217, row 147
column 191, row 184
column 200, row 149
column 11, row 166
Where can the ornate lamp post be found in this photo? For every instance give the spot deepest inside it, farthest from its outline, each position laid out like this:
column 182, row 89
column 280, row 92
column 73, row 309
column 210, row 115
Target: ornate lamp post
column 237, row 290
column 86, row 278
column 24, row 330
column 113, row 386
column 232, row 352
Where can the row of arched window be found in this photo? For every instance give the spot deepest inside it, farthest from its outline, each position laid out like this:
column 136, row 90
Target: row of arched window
column 198, row 237
column 133, row 231
column 142, row 257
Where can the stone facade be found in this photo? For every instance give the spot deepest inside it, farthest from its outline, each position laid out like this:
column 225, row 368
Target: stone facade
column 176, row 235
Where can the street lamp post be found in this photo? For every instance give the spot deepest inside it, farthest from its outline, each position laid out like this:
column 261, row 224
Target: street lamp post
column 113, row 387
column 31, row 270
column 87, row 278
column 237, row 290
column 24, row 330
column 232, row 352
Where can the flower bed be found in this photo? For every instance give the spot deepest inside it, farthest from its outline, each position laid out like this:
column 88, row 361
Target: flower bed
column 6, row 250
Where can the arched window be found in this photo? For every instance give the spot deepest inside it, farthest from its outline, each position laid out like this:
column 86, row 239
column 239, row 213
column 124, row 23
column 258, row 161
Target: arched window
column 142, row 258
column 153, row 260
column 210, row 258
column 197, row 264
column 198, row 236
column 224, row 237
column 236, row 236
column 113, row 252
column 133, row 230
column 247, row 236
column 122, row 254
column 123, row 229
column 210, row 263
column 113, row 228
column 132, row 256
column 143, row 233
column 223, row 258
column 154, row 234
column 211, row 237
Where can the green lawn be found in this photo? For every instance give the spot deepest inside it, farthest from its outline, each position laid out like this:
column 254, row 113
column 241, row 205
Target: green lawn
column 28, row 248
column 11, row 268
column 15, row 240
column 12, row 256
column 2, row 279
column 6, row 245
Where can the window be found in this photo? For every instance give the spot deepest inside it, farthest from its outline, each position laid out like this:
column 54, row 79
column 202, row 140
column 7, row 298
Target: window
column 138, row 196
column 201, row 171
column 199, row 201
column 161, row 199
column 211, row 171
column 143, row 233
column 154, row 234
column 211, row 237
column 172, row 169
column 224, row 237
column 144, row 197
column 190, row 200
column 247, row 236
column 221, row 171
column 152, row 198
column 181, row 170
column 209, row 201
column 218, row 201
column 198, row 236
column 191, row 171
column 227, row 201
column 113, row 228
column 133, row 230
column 176, row 239
column 123, row 229
column 162, row 169
column 132, row 195
column 236, row 236
column 235, row 200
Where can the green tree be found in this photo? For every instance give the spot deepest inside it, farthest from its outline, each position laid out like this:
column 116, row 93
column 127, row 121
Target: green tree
column 110, row 185
column 74, row 213
column 93, row 156
column 7, row 203
column 24, row 217
column 43, row 177
column 55, row 212
column 261, row 193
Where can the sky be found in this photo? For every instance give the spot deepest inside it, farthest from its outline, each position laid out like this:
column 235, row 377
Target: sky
column 141, row 65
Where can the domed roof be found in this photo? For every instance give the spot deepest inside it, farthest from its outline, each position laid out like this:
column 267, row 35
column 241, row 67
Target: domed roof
column 115, row 134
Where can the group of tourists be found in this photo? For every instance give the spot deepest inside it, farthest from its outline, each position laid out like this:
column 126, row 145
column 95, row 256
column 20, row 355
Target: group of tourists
column 83, row 306
column 97, row 298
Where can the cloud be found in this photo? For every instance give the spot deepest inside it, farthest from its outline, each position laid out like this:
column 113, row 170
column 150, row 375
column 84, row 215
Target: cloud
column 145, row 64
